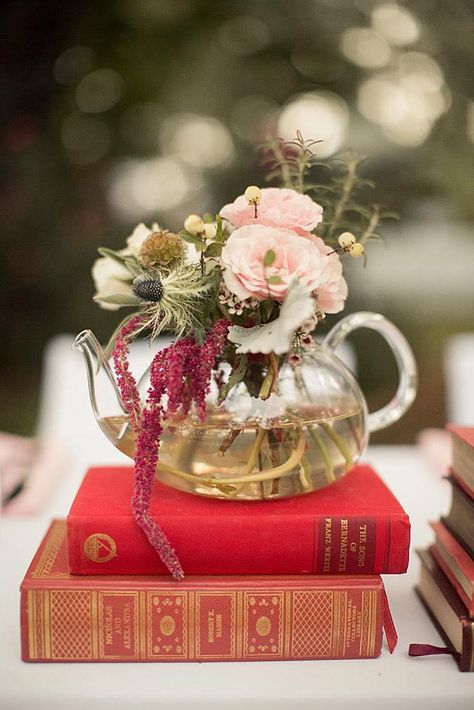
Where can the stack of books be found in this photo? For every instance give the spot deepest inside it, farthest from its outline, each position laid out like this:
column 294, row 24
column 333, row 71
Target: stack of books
column 446, row 584
column 287, row 579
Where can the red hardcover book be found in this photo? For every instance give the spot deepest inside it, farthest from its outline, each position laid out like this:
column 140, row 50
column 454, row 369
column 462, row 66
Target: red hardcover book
column 70, row 618
column 456, row 563
column 447, row 612
column 354, row 526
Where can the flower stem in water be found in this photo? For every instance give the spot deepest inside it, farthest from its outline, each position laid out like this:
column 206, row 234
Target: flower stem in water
column 327, row 428
column 324, row 455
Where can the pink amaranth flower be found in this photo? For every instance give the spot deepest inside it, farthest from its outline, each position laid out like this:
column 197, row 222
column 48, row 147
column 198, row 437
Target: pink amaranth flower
column 125, row 379
column 182, row 371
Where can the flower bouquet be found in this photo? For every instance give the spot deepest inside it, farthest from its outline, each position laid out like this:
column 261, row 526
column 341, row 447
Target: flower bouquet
column 245, row 403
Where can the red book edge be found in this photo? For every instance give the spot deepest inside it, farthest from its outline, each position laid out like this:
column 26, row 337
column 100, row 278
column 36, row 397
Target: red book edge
column 460, row 482
column 385, row 549
column 48, row 571
column 463, row 659
column 446, row 540
column 465, row 433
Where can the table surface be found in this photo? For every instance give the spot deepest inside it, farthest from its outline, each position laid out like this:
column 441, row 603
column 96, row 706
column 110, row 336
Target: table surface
column 392, row 680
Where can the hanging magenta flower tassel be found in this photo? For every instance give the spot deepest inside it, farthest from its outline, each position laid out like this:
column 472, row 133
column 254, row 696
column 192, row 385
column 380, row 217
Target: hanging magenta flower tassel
column 182, row 371
column 146, row 458
column 125, row 379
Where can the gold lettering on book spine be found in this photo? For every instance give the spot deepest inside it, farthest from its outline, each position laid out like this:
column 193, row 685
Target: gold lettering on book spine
column 200, row 624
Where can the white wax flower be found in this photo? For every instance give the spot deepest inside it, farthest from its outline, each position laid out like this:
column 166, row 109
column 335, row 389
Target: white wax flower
column 276, row 336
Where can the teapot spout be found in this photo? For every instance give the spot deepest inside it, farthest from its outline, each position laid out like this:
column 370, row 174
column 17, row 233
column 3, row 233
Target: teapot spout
column 104, row 393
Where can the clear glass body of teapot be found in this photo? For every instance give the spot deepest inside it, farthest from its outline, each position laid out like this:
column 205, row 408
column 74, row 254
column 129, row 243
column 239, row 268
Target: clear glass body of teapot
column 308, row 433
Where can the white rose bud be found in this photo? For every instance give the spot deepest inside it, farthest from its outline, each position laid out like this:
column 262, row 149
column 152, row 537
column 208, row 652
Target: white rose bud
column 194, row 224
column 253, row 195
column 210, row 231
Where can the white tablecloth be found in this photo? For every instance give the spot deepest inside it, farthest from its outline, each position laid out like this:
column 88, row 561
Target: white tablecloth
column 391, row 681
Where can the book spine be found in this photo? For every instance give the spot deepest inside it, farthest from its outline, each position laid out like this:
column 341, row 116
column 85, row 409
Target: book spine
column 178, row 624
column 438, row 557
column 320, row 545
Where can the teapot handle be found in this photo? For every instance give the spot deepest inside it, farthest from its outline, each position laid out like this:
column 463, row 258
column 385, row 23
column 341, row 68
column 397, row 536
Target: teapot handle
column 404, row 357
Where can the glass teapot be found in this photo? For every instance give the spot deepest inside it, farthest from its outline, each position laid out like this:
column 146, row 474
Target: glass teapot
column 308, row 433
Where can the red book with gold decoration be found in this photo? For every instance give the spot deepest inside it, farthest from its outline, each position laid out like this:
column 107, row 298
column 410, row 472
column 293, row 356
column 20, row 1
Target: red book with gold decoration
column 456, row 563
column 69, row 618
column 353, row 526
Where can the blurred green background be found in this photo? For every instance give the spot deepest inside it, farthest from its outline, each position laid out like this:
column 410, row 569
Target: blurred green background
column 125, row 111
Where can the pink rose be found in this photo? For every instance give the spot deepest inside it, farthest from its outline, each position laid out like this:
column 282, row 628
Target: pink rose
column 307, row 259
column 279, row 207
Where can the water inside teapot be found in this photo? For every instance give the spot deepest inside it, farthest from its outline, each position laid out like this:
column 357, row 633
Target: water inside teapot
column 215, row 456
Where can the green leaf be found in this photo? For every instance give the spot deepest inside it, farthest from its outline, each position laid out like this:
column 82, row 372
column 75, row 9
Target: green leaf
column 120, row 299
column 269, row 258
column 267, row 308
column 214, row 249
column 237, row 375
column 111, row 254
column 132, row 265
column 199, row 243
column 220, row 229
column 274, row 280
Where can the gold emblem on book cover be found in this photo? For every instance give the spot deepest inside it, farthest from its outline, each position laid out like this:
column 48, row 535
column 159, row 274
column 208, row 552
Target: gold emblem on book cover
column 263, row 626
column 167, row 625
column 100, row 547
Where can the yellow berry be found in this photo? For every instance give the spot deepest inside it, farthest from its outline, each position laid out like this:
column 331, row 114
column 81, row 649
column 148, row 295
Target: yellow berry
column 346, row 240
column 194, row 224
column 210, row 231
column 253, row 195
column 356, row 250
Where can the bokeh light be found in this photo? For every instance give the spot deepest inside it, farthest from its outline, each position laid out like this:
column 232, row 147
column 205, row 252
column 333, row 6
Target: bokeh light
column 99, row 91
column 407, row 100
column 140, row 188
column 395, row 23
column 319, row 114
column 72, row 64
column 199, row 141
column 365, row 48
